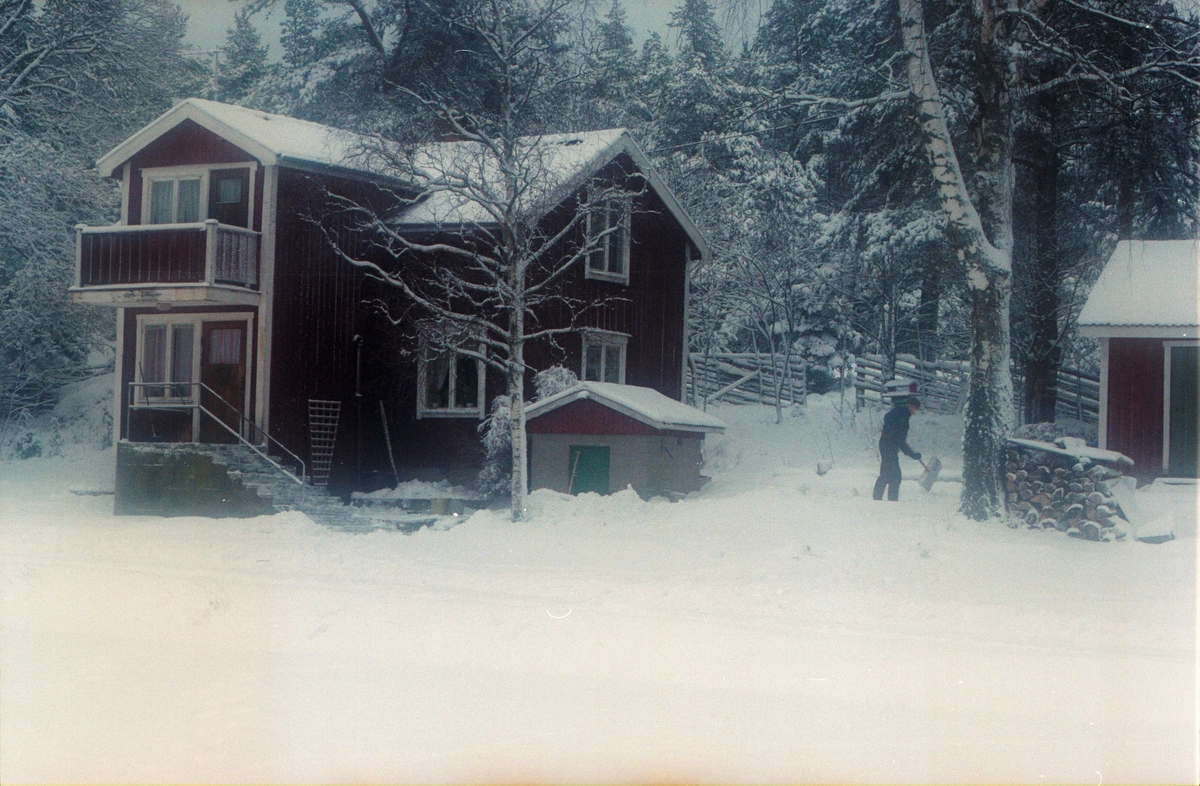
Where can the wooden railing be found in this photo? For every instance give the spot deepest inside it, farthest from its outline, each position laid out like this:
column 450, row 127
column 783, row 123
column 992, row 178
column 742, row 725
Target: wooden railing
column 165, row 254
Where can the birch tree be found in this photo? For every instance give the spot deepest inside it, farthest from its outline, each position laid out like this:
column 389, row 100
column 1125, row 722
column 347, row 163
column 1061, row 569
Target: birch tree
column 499, row 228
column 985, row 256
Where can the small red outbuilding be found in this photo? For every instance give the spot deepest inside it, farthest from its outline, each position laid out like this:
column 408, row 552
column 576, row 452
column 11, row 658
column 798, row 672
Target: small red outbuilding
column 603, row 437
column 1143, row 309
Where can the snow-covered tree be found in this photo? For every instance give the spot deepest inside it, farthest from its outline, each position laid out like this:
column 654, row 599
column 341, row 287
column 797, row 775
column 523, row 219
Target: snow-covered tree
column 244, row 59
column 75, row 77
column 495, row 257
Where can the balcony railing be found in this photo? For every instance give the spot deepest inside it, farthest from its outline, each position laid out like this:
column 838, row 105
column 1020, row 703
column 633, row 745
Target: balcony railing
column 166, row 254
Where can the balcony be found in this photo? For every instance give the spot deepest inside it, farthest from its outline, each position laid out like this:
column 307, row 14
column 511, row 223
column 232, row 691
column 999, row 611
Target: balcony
column 206, row 263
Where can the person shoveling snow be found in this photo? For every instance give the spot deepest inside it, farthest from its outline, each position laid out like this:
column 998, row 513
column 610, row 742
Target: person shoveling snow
column 893, row 439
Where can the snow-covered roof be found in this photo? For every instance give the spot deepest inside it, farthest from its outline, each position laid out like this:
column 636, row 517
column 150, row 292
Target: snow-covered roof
column 1147, row 285
column 553, row 165
column 642, row 404
column 271, row 138
column 556, row 163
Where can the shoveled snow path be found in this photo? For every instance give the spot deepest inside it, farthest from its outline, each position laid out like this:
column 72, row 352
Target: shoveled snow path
column 776, row 628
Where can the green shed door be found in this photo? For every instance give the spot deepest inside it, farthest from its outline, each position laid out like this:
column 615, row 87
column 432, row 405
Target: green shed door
column 1185, row 401
column 587, row 468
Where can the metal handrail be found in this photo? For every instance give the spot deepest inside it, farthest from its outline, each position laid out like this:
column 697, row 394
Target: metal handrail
column 171, row 404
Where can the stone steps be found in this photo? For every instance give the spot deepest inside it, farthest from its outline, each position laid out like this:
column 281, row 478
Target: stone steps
column 283, row 494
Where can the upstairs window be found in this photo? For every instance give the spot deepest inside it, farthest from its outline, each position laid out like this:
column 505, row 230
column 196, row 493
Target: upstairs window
column 175, row 200
column 604, row 356
column 608, row 241
column 190, row 194
column 450, row 382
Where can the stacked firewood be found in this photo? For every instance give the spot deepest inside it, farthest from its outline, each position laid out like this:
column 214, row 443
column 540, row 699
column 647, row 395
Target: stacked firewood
column 1054, row 491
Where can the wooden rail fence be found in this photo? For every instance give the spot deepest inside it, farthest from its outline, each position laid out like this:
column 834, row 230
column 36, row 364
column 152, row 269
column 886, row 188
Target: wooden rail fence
column 943, row 386
column 749, row 378
column 743, row 378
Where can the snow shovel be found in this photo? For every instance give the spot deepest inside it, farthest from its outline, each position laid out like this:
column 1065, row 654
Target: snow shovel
column 930, row 474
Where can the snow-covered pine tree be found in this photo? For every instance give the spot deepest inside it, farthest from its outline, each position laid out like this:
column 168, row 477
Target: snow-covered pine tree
column 300, row 33
column 244, row 59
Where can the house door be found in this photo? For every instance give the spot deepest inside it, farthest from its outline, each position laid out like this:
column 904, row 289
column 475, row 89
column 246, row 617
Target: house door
column 588, row 468
column 229, row 197
column 1184, row 430
column 223, row 372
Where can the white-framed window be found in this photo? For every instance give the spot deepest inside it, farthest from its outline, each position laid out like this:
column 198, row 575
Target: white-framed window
column 169, row 351
column 190, row 194
column 174, row 200
column 608, row 236
column 450, row 382
column 604, row 356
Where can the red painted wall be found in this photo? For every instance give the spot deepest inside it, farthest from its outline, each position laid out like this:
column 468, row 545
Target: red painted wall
column 589, row 417
column 1135, row 401
column 187, row 144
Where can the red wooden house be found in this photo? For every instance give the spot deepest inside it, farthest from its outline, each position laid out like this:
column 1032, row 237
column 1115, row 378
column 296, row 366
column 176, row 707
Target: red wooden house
column 1143, row 309
column 234, row 313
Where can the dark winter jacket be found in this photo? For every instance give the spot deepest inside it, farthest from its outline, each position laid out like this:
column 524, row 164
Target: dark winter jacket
column 895, row 432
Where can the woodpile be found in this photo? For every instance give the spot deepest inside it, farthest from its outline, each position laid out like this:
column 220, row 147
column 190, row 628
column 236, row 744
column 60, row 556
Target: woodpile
column 1051, row 489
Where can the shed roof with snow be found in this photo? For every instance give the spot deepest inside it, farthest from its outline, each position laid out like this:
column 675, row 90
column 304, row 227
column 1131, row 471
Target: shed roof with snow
column 644, row 405
column 1148, row 288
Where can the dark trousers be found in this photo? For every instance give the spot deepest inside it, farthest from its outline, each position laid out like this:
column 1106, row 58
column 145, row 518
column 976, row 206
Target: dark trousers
column 889, row 476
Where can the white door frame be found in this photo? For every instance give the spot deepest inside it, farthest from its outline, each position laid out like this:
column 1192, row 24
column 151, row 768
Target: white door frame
column 1167, row 347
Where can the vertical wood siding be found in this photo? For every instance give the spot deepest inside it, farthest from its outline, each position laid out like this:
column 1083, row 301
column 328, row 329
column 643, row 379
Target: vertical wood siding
column 316, row 304
column 1135, row 401
column 187, row 144
column 321, row 303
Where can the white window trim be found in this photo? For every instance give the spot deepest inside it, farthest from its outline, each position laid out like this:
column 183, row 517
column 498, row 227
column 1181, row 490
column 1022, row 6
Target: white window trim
column 204, row 172
column 1166, row 402
column 423, row 411
column 603, row 338
column 196, row 320
column 626, row 222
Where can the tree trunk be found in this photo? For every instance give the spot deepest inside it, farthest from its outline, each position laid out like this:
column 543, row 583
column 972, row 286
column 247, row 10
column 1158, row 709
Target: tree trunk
column 1043, row 356
column 516, row 393
column 927, row 314
column 986, row 263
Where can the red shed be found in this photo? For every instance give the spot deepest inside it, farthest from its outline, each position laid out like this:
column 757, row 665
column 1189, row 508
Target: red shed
column 1144, row 311
column 603, row 437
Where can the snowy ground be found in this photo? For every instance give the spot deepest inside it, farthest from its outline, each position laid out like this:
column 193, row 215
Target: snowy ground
column 779, row 626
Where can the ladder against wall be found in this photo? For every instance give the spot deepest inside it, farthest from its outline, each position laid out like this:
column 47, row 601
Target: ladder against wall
column 322, row 434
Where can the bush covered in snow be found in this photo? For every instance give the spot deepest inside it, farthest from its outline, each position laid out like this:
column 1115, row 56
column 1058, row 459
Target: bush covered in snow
column 81, row 419
column 553, row 380
column 493, row 480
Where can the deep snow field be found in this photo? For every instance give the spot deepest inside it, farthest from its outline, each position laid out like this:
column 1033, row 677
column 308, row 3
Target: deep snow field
column 778, row 626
